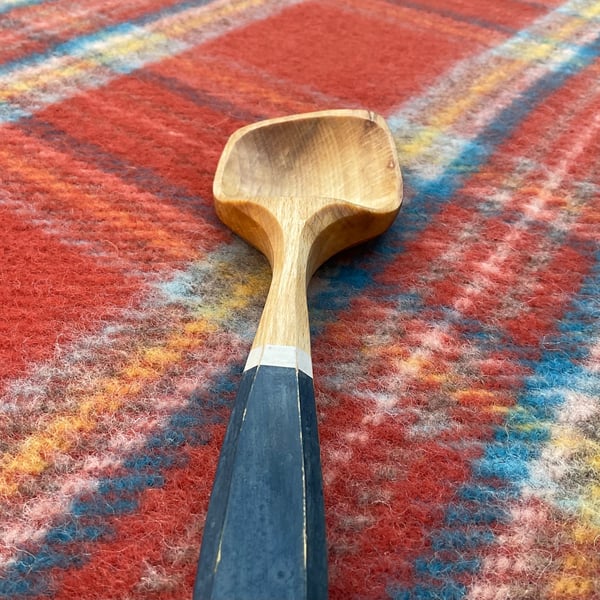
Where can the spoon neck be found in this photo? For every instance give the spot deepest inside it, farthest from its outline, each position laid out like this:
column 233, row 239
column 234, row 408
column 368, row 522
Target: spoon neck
column 284, row 321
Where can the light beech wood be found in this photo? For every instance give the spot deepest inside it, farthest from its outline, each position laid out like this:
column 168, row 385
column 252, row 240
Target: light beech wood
column 301, row 189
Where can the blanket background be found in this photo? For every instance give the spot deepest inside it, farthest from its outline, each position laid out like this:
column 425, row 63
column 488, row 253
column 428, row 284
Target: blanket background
column 456, row 358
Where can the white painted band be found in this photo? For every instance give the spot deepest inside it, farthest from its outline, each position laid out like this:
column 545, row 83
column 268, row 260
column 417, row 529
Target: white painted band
column 280, row 356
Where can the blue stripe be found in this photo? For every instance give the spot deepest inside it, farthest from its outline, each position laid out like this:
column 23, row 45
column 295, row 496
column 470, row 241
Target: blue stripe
column 507, row 457
column 440, row 569
column 450, row 591
column 102, row 506
column 452, row 539
column 75, row 531
column 485, row 494
column 472, row 514
column 21, row 4
column 78, row 45
column 9, row 113
column 87, row 518
column 516, row 443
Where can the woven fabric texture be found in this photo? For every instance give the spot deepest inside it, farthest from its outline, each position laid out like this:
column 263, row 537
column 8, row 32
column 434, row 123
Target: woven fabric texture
column 456, row 358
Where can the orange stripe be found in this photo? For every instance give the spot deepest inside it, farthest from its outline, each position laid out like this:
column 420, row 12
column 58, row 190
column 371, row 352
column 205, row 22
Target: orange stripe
column 66, row 19
column 61, row 185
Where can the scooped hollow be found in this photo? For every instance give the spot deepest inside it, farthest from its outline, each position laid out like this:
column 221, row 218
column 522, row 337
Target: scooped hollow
column 346, row 155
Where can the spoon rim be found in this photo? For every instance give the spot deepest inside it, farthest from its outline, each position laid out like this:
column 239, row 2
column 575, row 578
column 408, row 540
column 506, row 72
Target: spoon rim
column 393, row 200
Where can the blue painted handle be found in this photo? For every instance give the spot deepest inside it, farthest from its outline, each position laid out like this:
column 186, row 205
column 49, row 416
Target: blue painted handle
column 264, row 537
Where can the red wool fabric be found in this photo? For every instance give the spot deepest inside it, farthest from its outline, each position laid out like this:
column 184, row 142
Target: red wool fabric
column 456, row 357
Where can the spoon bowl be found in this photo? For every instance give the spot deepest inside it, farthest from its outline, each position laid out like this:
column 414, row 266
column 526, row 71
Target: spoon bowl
column 300, row 189
column 340, row 162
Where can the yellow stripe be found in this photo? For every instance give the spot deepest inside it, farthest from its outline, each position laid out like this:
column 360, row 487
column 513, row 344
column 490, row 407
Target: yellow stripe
column 479, row 394
column 586, row 533
column 476, row 94
column 578, row 574
column 149, row 43
column 587, row 451
column 579, row 567
column 449, row 114
column 131, row 45
column 592, row 11
column 36, row 453
column 540, row 48
column 573, row 586
column 183, row 26
column 39, row 77
column 525, row 51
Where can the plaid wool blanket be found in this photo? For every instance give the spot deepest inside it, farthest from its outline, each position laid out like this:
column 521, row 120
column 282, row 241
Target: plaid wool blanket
column 456, row 358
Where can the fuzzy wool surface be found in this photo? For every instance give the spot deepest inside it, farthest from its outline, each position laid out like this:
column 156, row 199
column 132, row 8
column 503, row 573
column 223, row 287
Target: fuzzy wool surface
column 456, row 358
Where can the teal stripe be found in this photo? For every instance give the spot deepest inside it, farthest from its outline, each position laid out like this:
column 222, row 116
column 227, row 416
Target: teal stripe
column 76, row 44
column 6, row 7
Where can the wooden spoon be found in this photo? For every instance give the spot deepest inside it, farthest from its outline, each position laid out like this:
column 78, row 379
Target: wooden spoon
column 300, row 189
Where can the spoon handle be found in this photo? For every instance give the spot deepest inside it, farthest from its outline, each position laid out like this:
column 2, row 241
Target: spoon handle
column 264, row 537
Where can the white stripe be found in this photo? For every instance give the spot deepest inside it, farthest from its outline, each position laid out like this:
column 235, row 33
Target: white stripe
column 280, row 356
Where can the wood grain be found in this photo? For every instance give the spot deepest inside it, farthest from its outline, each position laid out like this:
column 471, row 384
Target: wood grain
column 301, row 189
